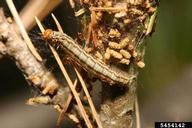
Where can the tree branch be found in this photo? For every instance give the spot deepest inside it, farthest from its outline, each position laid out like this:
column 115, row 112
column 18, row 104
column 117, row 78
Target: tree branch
column 34, row 71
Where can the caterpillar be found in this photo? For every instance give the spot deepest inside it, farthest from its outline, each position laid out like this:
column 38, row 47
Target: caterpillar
column 86, row 60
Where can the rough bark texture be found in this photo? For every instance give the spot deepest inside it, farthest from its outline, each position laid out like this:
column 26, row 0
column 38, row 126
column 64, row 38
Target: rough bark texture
column 119, row 112
column 35, row 72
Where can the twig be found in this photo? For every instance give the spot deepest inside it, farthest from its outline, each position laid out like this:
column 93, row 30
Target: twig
column 71, row 86
column 22, row 29
column 138, row 123
column 39, row 8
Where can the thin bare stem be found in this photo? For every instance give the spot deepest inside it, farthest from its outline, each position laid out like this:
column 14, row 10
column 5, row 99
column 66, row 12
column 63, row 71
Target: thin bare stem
column 22, row 29
column 39, row 8
column 138, row 123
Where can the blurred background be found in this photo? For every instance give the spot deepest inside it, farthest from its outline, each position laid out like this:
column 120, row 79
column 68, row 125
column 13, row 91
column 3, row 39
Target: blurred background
column 164, row 85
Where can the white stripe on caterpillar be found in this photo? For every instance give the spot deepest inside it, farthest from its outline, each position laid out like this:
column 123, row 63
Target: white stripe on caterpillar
column 86, row 60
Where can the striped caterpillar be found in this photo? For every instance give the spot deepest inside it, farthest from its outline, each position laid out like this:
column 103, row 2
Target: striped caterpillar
column 87, row 61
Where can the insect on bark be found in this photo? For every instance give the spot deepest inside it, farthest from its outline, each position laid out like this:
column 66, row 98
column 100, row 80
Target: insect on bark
column 87, row 61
